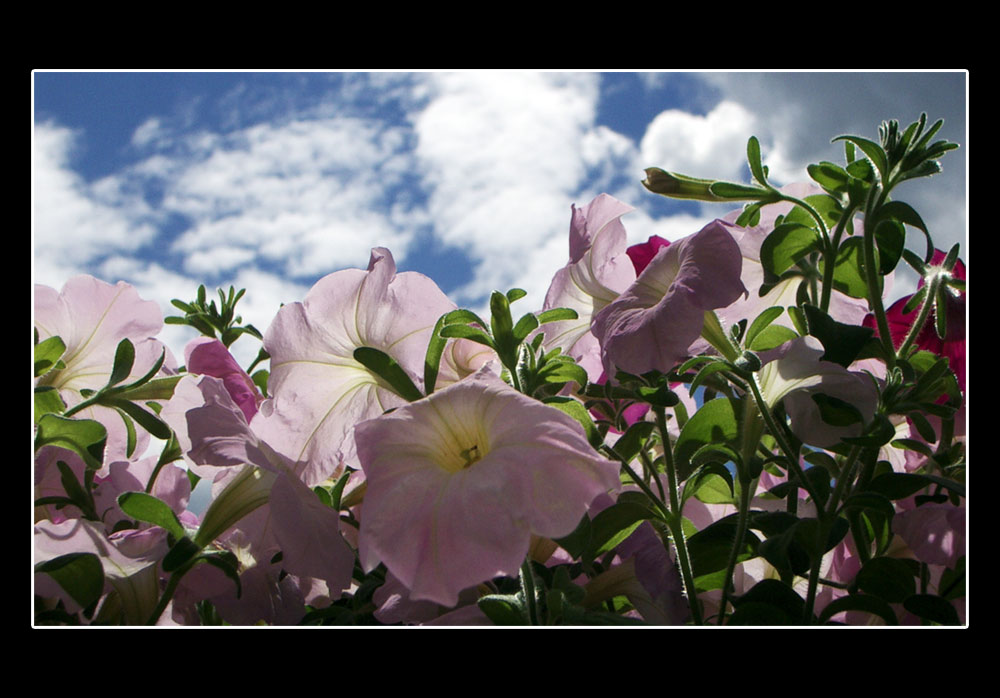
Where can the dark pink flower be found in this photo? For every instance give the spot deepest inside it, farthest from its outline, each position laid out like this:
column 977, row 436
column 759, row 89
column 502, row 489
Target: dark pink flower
column 953, row 345
column 210, row 357
column 642, row 254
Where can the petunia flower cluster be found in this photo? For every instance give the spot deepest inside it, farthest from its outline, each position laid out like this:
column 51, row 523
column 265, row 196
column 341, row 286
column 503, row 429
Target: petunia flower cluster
column 704, row 430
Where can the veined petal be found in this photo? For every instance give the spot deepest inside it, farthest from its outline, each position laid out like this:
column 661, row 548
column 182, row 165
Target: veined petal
column 458, row 482
column 320, row 391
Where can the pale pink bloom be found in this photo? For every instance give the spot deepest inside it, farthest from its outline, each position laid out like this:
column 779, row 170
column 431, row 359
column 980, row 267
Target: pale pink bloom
column 597, row 272
column 92, row 317
column 130, row 561
column 319, row 390
column 794, row 372
column 653, row 323
column 257, row 490
column 458, row 482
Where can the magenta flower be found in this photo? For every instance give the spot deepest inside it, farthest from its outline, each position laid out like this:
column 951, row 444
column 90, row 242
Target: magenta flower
column 952, row 346
column 642, row 253
column 319, row 390
column 458, row 482
column 210, row 357
column 596, row 273
column 655, row 321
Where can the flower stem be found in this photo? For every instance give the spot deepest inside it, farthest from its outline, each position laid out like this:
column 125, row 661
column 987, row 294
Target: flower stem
column 675, row 521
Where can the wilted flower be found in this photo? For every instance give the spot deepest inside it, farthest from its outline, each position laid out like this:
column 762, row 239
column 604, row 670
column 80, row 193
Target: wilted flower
column 458, row 482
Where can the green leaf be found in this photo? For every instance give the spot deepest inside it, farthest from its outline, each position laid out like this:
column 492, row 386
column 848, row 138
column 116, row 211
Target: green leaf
column 890, row 237
column 786, row 245
column 83, row 436
column 524, row 327
column 47, row 355
column 147, row 420
column 159, row 389
column 872, row 501
column 738, row 192
column 841, row 342
column 516, row 294
column 904, row 213
column 557, row 315
column 860, row 602
column 836, row 412
column 501, row 323
column 575, row 409
column 715, row 423
column 753, row 159
column 633, row 439
column 47, row 401
column 182, row 552
column 932, row 608
column 772, row 336
column 710, row 547
column 468, row 332
column 615, row 524
column 386, row 368
column 124, row 360
column 886, row 578
column 848, row 273
column 828, row 175
column 775, row 594
column 711, row 483
column 146, row 507
column 762, row 321
column 871, row 149
column 79, row 574
column 504, row 609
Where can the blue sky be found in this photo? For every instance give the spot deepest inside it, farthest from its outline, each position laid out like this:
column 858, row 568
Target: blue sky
column 271, row 180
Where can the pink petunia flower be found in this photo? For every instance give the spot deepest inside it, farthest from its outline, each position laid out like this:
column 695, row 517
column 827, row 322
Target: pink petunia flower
column 597, row 272
column 458, row 482
column 319, row 390
column 92, row 317
column 653, row 323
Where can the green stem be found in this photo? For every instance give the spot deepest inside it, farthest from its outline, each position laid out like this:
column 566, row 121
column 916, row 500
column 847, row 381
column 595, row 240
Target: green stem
column 775, row 431
column 168, row 593
column 675, row 520
column 752, row 427
column 925, row 311
column 875, row 200
column 528, row 586
column 830, row 258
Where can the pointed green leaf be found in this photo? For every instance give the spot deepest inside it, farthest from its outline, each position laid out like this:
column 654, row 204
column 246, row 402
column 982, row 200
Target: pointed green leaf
column 859, row 602
column 786, row 245
column 871, row 149
column 753, row 159
column 146, row 507
column 841, row 342
column 47, row 401
column 147, row 420
column 556, row 315
column 124, row 359
column 887, row 578
column 386, row 368
column 79, row 574
column 85, row 437
column 47, row 355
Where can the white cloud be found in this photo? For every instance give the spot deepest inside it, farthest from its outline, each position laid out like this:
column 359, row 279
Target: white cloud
column 501, row 157
column 700, row 146
column 76, row 222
